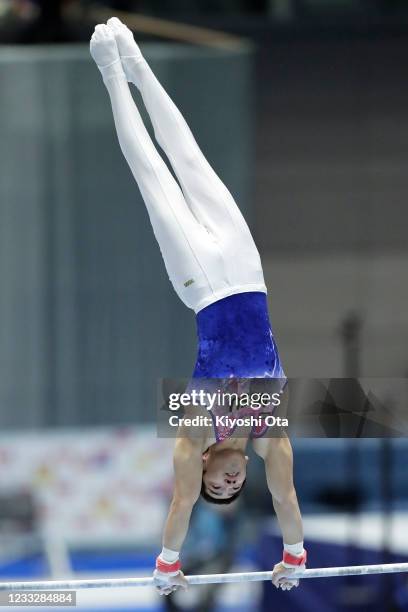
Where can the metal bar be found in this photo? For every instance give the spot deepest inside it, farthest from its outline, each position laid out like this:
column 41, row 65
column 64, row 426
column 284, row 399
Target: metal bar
column 107, row 583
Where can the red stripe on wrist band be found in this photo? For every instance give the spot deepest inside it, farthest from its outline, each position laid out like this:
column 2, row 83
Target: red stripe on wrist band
column 293, row 560
column 167, row 568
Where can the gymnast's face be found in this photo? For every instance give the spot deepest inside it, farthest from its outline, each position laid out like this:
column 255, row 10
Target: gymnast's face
column 224, row 472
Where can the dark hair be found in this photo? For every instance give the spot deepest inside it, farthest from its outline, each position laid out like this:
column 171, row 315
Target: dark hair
column 215, row 500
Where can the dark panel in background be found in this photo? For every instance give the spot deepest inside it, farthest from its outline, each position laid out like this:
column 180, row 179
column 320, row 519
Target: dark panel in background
column 332, row 144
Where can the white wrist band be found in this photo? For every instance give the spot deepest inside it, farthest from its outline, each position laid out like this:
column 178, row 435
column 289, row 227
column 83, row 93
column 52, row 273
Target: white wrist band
column 169, row 556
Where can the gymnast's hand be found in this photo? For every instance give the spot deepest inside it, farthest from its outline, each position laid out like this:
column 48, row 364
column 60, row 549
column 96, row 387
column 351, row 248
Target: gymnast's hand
column 281, row 576
column 167, row 583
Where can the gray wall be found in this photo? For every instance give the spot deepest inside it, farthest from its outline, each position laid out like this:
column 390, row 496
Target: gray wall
column 310, row 297
column 88, row 319
column 332, row 145
column 331, row 199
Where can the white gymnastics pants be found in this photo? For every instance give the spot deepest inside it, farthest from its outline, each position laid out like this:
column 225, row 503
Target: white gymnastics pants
column 206, row 245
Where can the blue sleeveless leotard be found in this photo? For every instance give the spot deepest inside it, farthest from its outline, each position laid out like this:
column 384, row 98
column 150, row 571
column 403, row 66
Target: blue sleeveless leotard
column 235, row 340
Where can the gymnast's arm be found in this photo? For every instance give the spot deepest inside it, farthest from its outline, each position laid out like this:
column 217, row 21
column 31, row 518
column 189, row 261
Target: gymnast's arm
column 278, row 460
column 188, row 471
column 188, row 474
column 278, row 457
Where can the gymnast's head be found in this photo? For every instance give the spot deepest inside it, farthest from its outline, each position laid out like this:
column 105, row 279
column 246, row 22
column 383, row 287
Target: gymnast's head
column 224, row 475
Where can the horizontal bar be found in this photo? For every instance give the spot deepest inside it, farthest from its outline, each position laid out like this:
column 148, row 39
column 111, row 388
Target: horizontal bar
column 108, row 583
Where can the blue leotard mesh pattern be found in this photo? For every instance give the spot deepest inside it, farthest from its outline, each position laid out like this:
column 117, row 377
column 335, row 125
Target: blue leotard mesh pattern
column 235, row 339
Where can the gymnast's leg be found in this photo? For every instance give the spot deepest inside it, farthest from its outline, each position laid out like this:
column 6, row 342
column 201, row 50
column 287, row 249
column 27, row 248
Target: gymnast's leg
column 184, row 244
column 207, row 196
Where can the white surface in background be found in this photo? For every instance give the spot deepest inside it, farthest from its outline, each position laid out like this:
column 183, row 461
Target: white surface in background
column 367, row 530
column 101, row 599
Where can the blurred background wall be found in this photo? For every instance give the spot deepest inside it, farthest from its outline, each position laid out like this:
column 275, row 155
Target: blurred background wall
column 331, row 196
